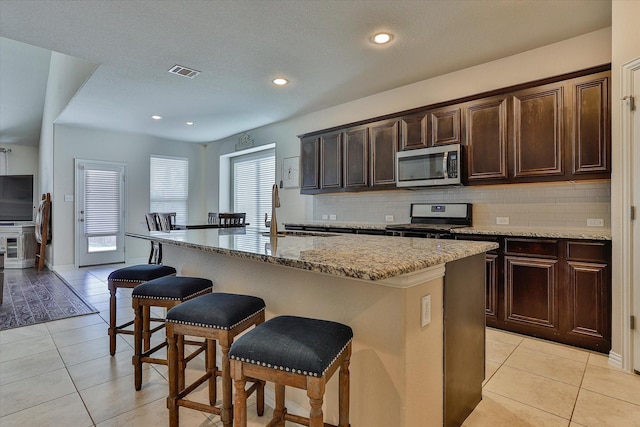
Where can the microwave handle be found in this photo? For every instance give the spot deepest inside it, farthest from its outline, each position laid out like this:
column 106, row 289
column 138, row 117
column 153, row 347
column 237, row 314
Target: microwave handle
column 445, row 162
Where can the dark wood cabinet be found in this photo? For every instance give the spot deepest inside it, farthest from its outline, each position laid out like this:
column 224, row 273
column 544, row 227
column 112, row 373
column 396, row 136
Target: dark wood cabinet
column 330, row 160
column 538, row 132
column 309, row 162
column 556, row 129
column 415, row 132
column 486, row 139
column 356, row 158
column 384, row 145
column 555, row 289
column 445, row 125
column 590, row 130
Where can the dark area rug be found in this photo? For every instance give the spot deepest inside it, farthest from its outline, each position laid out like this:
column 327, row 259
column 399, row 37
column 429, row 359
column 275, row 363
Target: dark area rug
column 32, row 296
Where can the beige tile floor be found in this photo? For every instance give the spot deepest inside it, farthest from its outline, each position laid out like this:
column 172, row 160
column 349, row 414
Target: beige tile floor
column 60, row 374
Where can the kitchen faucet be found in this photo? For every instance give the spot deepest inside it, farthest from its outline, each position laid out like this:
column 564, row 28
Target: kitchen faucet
column 275, row 203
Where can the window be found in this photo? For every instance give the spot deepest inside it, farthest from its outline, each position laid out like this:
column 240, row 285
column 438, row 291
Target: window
column 169, row 186
column 252, row 176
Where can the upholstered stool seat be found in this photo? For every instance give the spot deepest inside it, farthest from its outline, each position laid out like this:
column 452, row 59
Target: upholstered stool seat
column 167, row 292
column 298, row 352
column 130, row 277
column 215, row 317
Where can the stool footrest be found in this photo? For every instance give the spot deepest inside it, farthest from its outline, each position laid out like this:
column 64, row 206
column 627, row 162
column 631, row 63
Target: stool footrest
column 120, row 328
column 199, row 406
column 194, row 385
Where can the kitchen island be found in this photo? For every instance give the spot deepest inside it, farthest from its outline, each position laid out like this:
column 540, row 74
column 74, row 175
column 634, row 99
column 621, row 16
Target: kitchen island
column 416, row 307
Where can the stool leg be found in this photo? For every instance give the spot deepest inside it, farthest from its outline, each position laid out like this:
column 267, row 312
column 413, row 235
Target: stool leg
column 278, row 412
column 137, row 342
column 226, row 413
column 211, row 371
column 172, row 356
column 343, row 391
column 181, row 365
column 112, row 318
column 315, row 392
column 240, row 400
column 260, row 399
column 146, row 330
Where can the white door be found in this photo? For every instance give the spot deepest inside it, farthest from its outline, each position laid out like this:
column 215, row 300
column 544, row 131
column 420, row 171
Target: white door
column 635, row 201
column 100, row 212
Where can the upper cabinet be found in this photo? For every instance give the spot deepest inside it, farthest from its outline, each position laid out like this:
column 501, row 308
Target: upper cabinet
column 553, row 130
column 435, row 127
column 486, row 137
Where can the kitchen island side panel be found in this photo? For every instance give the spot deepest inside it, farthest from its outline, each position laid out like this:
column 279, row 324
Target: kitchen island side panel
column 396, row 365
column 464, row 337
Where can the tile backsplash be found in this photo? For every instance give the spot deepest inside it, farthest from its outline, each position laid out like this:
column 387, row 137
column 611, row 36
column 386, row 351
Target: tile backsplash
column 553, row 205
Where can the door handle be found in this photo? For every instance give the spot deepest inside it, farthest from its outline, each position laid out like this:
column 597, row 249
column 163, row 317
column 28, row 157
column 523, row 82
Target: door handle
column 81, row 220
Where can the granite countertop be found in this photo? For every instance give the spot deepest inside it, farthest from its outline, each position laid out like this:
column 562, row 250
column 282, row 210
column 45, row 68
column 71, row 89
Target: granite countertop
column 356, row 256
column 563, row 233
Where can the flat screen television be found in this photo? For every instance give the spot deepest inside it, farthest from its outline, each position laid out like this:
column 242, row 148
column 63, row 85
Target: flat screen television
column 16, row 198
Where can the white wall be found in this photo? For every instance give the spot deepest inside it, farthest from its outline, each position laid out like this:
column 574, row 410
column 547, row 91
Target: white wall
column 570, row 55
column 134, row 150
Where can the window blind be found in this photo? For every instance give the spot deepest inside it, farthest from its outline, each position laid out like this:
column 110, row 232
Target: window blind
column 169, row 186
column 102, row 202
column 253, row 175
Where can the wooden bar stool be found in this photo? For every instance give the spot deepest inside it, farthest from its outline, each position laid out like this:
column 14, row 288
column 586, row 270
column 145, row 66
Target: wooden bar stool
column 297, row 352
column 168, row 292
column 215, row 317
column 130, row 277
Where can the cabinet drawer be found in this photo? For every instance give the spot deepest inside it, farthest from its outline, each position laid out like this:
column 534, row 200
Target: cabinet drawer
column 537, row 247
column 587, row 251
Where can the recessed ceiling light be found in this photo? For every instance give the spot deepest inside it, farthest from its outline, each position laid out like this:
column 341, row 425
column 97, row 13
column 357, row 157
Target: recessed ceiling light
column 280, row 81
column 381, row 38
column 189, row 123
column 156, row 117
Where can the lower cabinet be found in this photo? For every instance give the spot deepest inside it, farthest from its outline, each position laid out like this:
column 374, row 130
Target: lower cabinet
column 555, row 289
column 19, row 244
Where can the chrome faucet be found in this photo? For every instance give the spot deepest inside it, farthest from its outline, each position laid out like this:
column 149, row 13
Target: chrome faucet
column 275, row 203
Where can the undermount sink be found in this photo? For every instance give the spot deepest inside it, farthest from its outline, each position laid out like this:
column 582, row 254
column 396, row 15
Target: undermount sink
column 299, row 234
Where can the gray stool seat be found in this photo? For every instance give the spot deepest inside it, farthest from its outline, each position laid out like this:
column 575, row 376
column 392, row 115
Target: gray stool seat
column 218, row 318
column 293, row 344
column 172, row 288
column 141, row 273
column 217, row 310
column 297, row 352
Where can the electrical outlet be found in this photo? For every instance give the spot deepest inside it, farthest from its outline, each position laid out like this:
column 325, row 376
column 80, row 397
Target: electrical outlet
column 502, row 220
column 325, row 216
column 425, row 312
column 388, row 218
column 595, row 222
column 332, row 217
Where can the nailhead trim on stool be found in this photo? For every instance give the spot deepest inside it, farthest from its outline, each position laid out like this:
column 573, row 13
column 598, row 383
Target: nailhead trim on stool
column 167, row 292
column 216, row 317
column 130, row 277
column 295, row 351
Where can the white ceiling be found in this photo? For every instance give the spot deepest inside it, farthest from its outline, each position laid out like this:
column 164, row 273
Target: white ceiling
column 240, row 46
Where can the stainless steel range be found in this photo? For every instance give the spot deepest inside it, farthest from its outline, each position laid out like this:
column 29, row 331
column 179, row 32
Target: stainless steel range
column 434, row 220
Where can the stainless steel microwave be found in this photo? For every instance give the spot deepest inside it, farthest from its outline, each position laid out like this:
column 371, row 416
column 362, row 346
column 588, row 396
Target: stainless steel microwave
column 441, row 165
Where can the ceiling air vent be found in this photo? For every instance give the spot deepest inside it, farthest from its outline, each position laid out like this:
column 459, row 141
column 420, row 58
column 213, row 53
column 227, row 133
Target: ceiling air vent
column 184, row 71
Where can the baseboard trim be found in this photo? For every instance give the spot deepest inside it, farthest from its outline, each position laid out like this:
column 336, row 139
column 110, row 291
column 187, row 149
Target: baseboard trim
column 615, row 359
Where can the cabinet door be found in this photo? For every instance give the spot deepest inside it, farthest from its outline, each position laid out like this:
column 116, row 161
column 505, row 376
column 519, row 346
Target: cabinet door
column 330, row 161
column 486, row 137
column 590, row 133
column 538, row 131
column 384, row 145
column 356, row 158
column 531, row 293
column 445, row 126
column 587, row 322
column 309, row 163
column 415, row 132
column 491, row 298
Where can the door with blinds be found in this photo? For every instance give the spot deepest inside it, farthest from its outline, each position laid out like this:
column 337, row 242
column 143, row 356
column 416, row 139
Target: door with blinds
column 99, row 212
